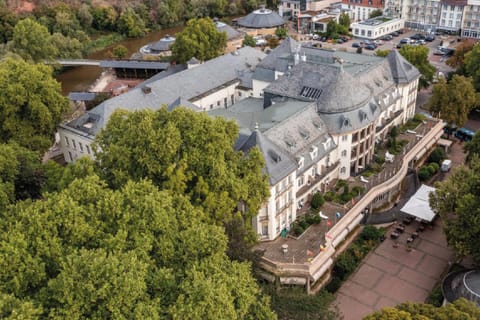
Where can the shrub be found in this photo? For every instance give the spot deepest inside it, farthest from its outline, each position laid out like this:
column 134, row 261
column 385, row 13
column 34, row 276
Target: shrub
column 333, row 285
column 424, row 174
column 303, row 223
column 345, row 197
column 419, row 117
column 317, row 201
column 371, row 233
column 313, row 219
column 297, row 230
column 437, row 155
column 435, row 166
column 329, row 196
column 380, row 160
column 430, row 169
column 358, row 190
column 345, row 265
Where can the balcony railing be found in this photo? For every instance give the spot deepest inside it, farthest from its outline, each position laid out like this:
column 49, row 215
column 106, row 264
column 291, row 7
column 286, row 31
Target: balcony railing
column 313, row 181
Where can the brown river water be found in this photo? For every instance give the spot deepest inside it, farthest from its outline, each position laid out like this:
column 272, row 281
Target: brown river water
column 81, row 78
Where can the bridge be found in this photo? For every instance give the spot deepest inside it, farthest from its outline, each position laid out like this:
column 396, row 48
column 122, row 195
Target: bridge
column 76, row 62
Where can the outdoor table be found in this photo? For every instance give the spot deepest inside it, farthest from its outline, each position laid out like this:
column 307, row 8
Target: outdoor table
column 421, row 227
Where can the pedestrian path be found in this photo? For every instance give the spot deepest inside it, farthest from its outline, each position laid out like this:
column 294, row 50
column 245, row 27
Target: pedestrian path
column 392, row 275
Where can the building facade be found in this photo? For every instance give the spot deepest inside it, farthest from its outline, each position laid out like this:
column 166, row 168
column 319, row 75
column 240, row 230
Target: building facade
column 314, row 114
column 360, row 10
column 376, row 27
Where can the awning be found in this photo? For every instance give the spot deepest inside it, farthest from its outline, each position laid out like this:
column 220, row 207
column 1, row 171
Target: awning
column 444, row 143
column 418, row 205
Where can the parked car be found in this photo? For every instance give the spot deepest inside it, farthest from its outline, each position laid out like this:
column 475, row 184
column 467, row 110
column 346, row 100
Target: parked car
column 370, row 47
column 421, row 42
column 446, row 165
column 395, row 33
column 344, row 38
column 356, row 45
column 340, row 41
column 316, row 37
column 378, row 42
column 430, row 38
column 323, row 39
column 405, row 41
column 388, row 37
column 400, row 31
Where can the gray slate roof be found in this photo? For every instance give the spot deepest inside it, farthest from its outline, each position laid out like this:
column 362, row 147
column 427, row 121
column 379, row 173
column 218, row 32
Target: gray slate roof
column 81, row 96
column 231, row 32
column 163, row 44
column 261, row 18
column 186, row 84
column 402, row 70
column 180, row 102
column 134, row 64
column 278, row 163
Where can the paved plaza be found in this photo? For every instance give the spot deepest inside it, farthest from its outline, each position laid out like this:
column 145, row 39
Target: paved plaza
column 389, row 276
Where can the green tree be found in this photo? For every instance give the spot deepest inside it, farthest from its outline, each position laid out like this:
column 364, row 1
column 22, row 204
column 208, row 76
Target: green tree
column 457, row 60
column 418, row 56
column 67, row 47
column 31, row 104
column 382, row 53
column 120, row 52
column 281, row 33
column 185, row 151
column 332, row 29
column 460, row 309
column 249, row 41
column 472, row 147
column 454, row 100
column 130, row 24
column 12, row 308
column 32, row 41
column 344, row 20
column 8, row 20
column 104, row 18
column 199, row 39
column 84, row 16
column 375, row 13
column 457, row 200
column 92, row 253
column 472, row 65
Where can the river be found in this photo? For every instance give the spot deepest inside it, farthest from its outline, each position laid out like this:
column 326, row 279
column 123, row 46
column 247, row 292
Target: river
column 81, row 78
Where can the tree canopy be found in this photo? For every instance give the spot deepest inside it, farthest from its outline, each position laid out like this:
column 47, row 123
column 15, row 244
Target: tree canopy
column 457, row 200
column 418, row 56
column 344, row 20
column 199, row 39
column 31, row 104
column 375, row 13
column 32, row 41
column 472, row 148
column 454, row 100
column 91, row 252
column 249, row 41
column 187, row 152
column 472, row 65
column 460, row 309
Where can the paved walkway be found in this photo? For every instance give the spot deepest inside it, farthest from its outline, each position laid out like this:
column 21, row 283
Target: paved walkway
column 389, row 276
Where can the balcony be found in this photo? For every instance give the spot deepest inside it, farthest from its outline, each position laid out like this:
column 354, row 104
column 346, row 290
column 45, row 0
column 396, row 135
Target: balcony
column 385, row 123
column 313, row 181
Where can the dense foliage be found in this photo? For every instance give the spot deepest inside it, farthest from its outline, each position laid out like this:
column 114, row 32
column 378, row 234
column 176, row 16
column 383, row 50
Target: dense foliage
column 453, row 100
column 200, row 39
column 91, row 252
column 460, row 309
column 31, row 104
column 418, row 56
column 458, row 202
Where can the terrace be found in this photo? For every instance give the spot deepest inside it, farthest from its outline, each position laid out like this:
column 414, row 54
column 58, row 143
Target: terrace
column 304, row 259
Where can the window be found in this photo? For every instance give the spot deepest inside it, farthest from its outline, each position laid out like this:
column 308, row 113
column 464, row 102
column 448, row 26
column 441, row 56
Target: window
column 232, row 97
column 66, row 141
column 81, row 146
column 225, row 102
column 277, row 206
column 264, row 229
column 211, row 106
column 344, row 153
column 70, row 156
column 218, row 103
column 300, row 181
column 74, row 144
column 239, row 94
column 344, row 138
column 343, row 170
column 88, row 148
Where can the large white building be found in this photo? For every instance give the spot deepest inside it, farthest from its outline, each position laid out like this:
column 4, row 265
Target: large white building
column 314, row 114
column 376, row 27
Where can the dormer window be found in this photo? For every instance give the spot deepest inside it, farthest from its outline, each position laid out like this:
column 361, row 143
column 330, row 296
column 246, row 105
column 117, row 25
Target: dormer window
column 363, row 115
column 326, row 143
column 304, row 133
column 301, row 162
column 345, row 122
column 289, row 142
column 313, row 152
